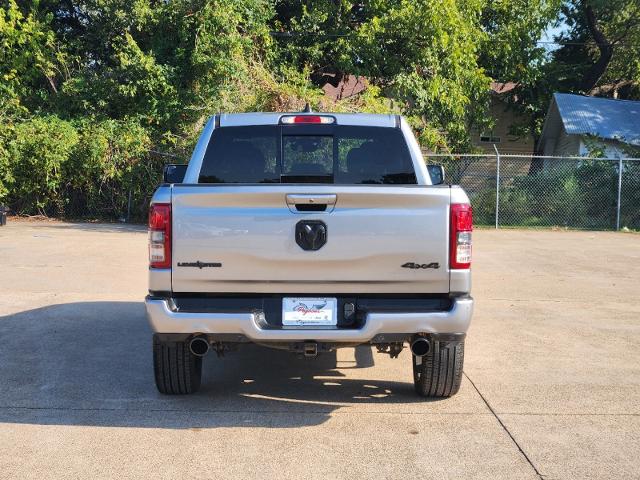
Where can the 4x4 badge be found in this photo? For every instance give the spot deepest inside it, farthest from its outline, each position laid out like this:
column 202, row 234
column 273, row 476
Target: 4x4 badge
column 421, row 265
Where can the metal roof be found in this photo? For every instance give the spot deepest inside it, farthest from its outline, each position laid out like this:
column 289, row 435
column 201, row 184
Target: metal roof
column 602, row 117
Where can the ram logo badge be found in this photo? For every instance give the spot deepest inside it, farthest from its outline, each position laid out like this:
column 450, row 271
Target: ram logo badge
column 311, row 234
column 415, row 266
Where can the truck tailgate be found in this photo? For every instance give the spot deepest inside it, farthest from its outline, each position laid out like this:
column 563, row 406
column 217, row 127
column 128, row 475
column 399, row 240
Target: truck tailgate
column 241, row 238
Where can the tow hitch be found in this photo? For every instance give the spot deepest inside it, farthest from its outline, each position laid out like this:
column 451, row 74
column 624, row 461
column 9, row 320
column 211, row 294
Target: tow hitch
column 310, row 349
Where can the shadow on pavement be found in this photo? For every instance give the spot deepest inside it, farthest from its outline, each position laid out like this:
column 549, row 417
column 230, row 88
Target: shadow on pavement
column 90, row 364
column 99, row 227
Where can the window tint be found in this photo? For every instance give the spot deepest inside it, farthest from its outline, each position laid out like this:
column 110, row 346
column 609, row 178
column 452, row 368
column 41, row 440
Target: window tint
column 373, row 155
column 334, row 154
column 241, row 155
column 307, row 155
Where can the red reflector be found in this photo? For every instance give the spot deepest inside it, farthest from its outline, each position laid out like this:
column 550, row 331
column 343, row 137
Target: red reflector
column 159, row 215
column 464, row 219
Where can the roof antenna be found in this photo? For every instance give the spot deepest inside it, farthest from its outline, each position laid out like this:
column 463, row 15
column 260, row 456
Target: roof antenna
column 307, row 108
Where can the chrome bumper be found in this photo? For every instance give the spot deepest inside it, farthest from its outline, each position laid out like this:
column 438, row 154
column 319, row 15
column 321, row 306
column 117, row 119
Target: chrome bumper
column 254, row 327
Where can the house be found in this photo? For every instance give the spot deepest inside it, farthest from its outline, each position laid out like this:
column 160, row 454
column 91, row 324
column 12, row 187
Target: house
column 505, row 120
column 346, row 87
column 576, row 125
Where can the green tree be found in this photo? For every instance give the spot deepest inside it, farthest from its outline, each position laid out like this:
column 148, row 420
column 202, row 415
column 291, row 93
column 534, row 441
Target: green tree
column 425, row 55
column 422, row 55
column 599, row 55
column 510, row 51
column 602, row 52
column 125, row 80
column 30, row 59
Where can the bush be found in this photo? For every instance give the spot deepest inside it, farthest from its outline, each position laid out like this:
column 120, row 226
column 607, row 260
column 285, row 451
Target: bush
column 88, row 169
column 630, row 198
column 6, row 172
column 484, row 206
column 598, row 180
column 37, row 151
column 111, row 161
column 580, row 195
column 552, row 196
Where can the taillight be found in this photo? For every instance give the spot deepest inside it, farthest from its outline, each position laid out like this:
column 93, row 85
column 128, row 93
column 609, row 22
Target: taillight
column 460, row 231
column 160, row 235
column 291, row 119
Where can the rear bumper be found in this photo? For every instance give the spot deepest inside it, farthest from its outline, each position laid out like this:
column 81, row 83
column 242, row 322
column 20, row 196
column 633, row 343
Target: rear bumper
column 252, row 326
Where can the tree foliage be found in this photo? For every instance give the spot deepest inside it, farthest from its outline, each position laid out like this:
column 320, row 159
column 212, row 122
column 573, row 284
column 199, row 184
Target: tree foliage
column 38, row 151
column 102, row 92
column 423, row 55
column 598, row 54
column 29, row 58
column 602, row 55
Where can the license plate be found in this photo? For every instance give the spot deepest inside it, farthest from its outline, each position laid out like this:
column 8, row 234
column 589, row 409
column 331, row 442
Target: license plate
column 309, row 311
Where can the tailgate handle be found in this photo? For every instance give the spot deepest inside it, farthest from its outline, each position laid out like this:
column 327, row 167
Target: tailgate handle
column 302, row 203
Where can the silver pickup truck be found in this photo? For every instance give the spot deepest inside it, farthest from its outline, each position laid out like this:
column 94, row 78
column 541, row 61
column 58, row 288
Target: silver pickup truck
column 309, row 232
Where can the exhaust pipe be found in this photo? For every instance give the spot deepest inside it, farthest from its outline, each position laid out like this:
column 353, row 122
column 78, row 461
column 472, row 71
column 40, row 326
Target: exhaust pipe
column 199, row 346
column 420, row 346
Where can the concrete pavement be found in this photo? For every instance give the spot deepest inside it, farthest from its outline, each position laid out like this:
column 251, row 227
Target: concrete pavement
column 552, row 386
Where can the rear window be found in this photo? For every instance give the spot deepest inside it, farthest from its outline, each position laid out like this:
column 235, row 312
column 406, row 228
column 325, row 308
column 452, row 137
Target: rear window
column 336, row 154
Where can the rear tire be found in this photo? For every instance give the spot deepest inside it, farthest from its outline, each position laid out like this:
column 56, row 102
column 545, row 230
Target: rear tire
column 177, row 370
column 439, row 373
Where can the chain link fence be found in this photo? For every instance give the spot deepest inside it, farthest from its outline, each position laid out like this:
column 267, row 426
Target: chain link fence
column 505, row 190
column 535, row 191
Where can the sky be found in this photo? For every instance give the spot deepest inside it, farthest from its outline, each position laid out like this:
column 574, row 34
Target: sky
column 548, row 35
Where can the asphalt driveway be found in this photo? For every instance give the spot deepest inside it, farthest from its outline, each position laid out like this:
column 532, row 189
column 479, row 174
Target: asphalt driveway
column 551, row 387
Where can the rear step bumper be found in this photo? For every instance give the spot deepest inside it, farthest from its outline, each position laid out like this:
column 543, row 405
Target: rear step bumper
column 253, row 326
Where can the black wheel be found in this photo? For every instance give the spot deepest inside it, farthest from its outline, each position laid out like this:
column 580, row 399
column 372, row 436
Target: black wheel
column 438, row 374
column 177, row 370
